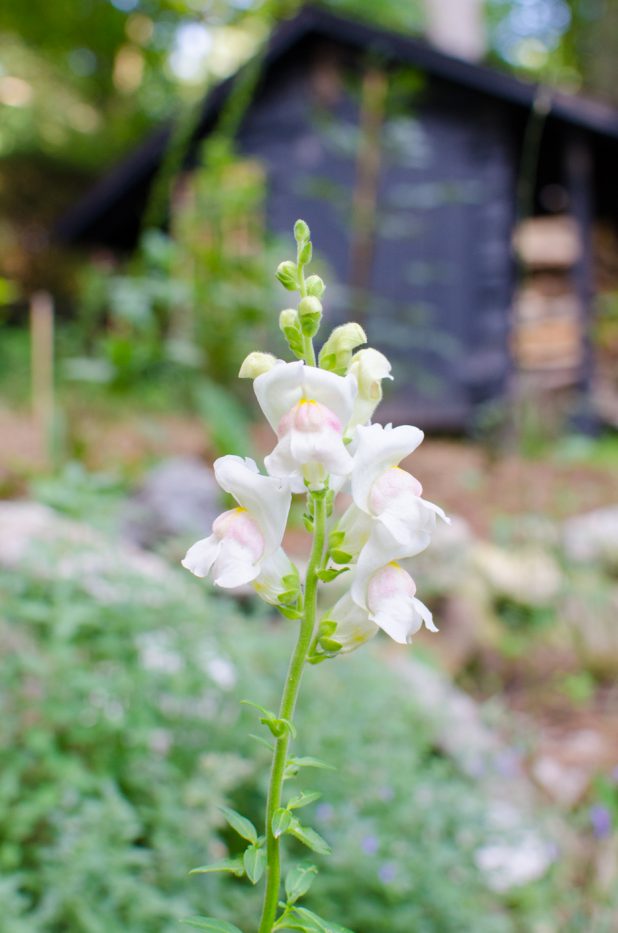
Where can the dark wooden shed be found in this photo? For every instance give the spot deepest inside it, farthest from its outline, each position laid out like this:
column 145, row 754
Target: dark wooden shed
column 411, row 168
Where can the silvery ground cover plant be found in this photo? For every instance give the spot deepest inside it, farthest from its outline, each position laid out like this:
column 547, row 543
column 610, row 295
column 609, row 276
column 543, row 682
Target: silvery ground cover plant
column 359, row 576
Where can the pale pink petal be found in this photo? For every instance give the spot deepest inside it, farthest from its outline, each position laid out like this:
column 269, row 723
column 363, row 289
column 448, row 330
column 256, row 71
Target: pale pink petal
column 267, row 499
column 378, row 449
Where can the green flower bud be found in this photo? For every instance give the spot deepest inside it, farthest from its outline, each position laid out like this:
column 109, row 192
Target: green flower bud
column 287, row 273
column 288, row 319
column 256, row 364
column 289, row 325
column 315, row 286
column 310, row 315
column 301, row 231
column 305, row 254
column 336, row 354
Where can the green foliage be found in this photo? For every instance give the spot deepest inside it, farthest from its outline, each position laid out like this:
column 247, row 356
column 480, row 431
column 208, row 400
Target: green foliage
column 124, row 738
column 226, row 420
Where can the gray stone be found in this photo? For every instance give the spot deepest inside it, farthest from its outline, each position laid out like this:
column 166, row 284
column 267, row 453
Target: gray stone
column 593, row 538
column 178, row 498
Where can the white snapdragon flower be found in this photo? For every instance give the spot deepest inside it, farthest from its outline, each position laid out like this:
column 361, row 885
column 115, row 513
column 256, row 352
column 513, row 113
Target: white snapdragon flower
column 389, row 495
column 308, row 409
column 386, row 590
column 246, row 541
column 381, row 596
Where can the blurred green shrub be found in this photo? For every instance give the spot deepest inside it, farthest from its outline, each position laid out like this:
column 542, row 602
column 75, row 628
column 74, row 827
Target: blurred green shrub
column 199, row 297
column 122, row 733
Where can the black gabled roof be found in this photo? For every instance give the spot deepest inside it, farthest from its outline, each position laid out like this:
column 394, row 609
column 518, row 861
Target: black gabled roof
column 137, row 169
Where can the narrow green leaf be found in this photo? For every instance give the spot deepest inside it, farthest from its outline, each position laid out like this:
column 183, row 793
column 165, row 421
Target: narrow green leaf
column 262, row 741
column 298, row 881
column 287, row 597
column 261, row 709
column 309, row 762
column 303, row 799
column 331, row 574
column 282, row 820
column 329, row 644
column 340, row 557
column 291, row 580
column 316, row 924
column 336, row 538
column 233, row 865
column 290, row 613
column 240, row 824
column 324, row 926
column 310, row 838
column 254, row 861
column 211, row 925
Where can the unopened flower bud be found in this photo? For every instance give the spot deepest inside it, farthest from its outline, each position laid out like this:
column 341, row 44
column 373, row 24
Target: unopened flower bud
column 336, row 354
column 310, row 314
column 301, row 231
column 256, row 364
column 305, row 254
column 370, row 367
column 289, row 325
column 315, row 286
column 288, row 318
column 287, row 273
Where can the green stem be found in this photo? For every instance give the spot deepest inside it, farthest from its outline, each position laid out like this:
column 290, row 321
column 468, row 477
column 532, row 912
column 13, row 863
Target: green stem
column 307, row 341
column 286, row 711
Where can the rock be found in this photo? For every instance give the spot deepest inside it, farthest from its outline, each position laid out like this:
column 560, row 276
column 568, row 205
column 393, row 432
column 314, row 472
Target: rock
column 528, row 576
column 570, row 762
column 593, row 538
column 590, row 611
column 179, row 497
column 565, row 784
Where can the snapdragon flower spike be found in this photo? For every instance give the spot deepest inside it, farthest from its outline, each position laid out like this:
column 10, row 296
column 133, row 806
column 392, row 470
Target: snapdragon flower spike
column 245, row 541
column 308, row 409
column 390, row 495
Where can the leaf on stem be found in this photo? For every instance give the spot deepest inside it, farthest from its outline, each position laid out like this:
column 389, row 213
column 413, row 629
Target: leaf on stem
column 254, row 861
column 290, row 613
column 260, row 709
column 303, row 799
column 309, row 837
column 282, row 820
column 331, row 574
column 298, row 881
column 211, row 925
column 294, row 764
column 233, row 865
column 340, row 557
column 305, row 921
column 278, row 726
column 240, row 824
column 262, row 741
